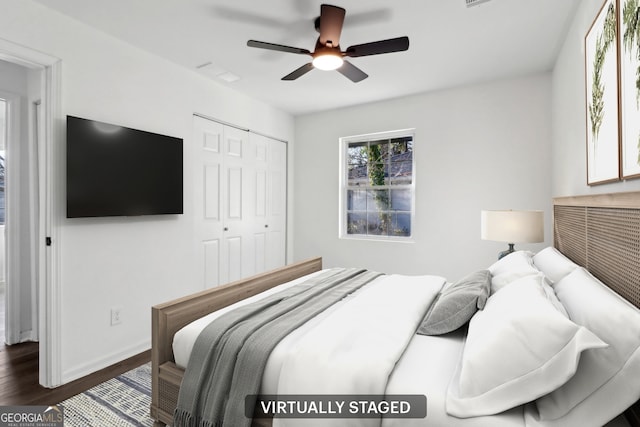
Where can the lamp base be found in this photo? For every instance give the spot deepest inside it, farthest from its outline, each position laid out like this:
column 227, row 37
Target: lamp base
column 507, row 252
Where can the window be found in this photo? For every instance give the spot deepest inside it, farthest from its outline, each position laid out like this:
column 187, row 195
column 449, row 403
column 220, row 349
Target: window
column 377, row 186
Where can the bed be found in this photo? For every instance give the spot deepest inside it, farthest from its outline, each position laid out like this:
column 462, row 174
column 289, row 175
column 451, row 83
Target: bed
column 600, row 233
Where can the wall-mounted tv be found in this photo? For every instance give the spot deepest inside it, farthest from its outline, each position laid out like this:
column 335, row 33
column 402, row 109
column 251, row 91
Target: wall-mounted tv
column 117, row 171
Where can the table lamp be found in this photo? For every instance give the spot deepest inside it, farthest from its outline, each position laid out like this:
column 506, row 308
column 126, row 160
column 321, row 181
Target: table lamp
column 512, row 227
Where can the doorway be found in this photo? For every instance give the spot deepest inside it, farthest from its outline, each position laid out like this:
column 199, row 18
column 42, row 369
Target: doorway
column 45, row 158
column 19, row 92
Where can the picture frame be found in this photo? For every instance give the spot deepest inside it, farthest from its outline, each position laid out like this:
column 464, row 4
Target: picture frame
column 629, row 59
column 602, row 100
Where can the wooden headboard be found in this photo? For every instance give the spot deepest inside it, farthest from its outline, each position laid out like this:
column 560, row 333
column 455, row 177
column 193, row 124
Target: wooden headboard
column 602, row 234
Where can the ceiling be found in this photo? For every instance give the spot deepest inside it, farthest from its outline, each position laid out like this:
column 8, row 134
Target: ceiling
column 450, row 44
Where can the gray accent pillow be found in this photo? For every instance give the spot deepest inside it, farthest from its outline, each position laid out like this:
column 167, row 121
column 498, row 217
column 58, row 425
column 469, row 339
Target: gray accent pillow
column 455, row 305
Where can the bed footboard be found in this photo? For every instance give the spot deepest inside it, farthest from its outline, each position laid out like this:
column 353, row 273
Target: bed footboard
column 170, row 317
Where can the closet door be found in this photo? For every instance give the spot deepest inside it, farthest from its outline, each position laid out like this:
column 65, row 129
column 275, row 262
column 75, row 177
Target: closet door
column 259, row 208
column 268, row 236
column 240, row 202
column 237, row 249
column 276, row 204
column 209, row 173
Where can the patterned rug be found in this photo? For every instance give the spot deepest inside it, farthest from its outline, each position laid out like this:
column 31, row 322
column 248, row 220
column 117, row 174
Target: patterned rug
column 122, row 401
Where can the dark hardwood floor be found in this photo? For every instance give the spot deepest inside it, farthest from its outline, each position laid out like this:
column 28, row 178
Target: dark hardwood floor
column 19, row 376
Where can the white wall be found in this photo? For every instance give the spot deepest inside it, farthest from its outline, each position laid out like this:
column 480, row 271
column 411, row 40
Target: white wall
column 569, row 149
column 477, row 147
column 129, row 262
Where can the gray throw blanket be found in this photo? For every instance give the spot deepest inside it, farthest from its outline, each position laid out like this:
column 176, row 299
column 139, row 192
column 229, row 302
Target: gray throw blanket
column 229, row 356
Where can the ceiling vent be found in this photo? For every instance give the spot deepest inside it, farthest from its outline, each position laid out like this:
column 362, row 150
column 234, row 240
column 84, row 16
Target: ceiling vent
column 471, row 3
column 211, row 69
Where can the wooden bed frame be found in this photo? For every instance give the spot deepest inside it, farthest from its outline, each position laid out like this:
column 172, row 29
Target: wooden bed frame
column 601, row 233
column 170, row 317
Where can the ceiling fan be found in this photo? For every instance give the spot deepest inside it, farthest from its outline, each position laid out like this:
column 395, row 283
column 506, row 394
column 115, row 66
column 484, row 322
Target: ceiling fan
column 327, row 54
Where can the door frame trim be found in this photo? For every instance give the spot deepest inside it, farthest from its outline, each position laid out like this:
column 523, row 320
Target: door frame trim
column 50, row 181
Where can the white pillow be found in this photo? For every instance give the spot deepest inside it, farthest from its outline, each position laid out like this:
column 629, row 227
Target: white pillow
column 553, row 264
column 518, row 348
column 552, row 297
column 607, row 381
column 510, row 268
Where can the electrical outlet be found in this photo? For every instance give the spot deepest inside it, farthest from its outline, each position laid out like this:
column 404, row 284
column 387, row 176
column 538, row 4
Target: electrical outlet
column 116, row 315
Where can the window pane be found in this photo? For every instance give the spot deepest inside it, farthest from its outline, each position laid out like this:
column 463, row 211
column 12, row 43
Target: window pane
column 357, row 223
column 378, row 223
column 400, row 224
column 401, row 200
column 379, row 162
column 357, row 153
column 401, row 169
column 401, row 173
column 358, row 175
column 379, row 151
column 378, row 174
column 357, row 200
column 378, row 200
column 401, row 145
column 357, row 159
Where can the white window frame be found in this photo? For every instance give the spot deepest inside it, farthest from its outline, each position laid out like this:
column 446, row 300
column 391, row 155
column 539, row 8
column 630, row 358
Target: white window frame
column 342, row 205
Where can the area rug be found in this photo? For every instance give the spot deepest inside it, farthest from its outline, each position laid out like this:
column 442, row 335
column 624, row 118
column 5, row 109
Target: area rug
column 121, row 401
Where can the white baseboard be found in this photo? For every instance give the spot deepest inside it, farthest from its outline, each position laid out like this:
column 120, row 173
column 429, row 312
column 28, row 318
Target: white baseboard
column 28, row 336
column 96, row 365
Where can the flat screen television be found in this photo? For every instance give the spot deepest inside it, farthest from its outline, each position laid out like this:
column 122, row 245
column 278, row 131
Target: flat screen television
column 117, row 171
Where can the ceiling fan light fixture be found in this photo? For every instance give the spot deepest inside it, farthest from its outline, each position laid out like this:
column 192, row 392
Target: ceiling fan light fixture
column 327, row 54
column 327, row 61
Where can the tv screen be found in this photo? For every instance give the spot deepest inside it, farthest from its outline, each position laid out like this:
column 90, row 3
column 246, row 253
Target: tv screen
column 117, row 171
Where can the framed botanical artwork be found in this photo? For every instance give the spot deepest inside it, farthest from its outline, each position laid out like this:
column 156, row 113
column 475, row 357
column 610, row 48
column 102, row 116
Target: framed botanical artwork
column 629, row 56
column 601, row 67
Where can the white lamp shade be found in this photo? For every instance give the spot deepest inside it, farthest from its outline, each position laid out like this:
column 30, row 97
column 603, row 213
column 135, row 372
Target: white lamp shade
column 512, row 226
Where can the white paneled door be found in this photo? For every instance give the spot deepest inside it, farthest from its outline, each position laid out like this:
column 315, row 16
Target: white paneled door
column 208, row 139
column 237, row 173
column 236, row 254
column 269, row 201
column 277, row 205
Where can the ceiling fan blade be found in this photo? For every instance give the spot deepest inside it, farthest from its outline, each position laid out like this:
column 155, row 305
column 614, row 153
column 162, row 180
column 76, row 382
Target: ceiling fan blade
column 375, row 48
column 278, row 47
column 331, row 20
column 299, row 72
column 352, row 72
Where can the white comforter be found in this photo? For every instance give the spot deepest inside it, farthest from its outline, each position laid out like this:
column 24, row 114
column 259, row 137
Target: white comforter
column 425, row 366
column 354, row 350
